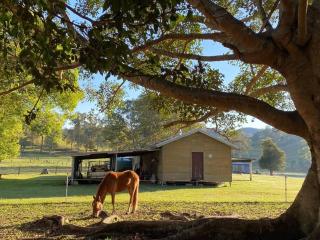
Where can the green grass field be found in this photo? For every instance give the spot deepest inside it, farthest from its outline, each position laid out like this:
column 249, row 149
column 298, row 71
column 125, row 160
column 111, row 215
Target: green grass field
column 35, row 163
column 28, row 197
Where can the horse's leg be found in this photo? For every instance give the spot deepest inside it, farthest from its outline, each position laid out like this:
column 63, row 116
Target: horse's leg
column 113, row 194
column 135, row 198
column 130, row 190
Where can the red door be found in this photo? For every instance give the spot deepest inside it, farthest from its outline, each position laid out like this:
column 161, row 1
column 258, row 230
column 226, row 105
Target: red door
column 197, row 166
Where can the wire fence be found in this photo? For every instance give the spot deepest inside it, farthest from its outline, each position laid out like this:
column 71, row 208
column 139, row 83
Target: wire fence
column 34, row 170
column 60, row 186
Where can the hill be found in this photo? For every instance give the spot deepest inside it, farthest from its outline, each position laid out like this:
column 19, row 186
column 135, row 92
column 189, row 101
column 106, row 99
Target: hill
column 249, row 131
column 296, row 149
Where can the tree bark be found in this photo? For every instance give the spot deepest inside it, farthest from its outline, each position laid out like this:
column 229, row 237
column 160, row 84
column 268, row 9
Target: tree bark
column 271, row 172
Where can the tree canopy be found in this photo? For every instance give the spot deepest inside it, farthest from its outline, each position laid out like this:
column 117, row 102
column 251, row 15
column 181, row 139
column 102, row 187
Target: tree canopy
column 272, row 158
column 158, row 45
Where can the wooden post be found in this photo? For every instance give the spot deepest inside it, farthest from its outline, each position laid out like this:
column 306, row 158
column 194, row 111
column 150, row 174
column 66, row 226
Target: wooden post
column 250, row 166
column 285, row 187
column 18, row 171
column 55, row 172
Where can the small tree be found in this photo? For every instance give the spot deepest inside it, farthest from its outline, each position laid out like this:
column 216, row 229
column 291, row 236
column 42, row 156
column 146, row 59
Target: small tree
column 273, row 158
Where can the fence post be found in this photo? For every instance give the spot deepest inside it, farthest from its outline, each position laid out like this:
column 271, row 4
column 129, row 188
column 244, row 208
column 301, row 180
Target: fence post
column 55, row 172
column 285, row 188
column 67, row 184
column 18, row 171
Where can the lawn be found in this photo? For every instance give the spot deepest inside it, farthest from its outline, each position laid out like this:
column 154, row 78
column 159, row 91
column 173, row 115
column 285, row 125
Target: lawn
column 35, row 163
column 27, row 197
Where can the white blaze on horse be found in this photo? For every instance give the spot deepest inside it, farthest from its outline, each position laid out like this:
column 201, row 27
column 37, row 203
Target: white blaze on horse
column 117, row 182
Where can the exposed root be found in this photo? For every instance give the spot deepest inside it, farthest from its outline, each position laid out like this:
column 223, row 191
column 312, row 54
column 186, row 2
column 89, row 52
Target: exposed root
column 206, row 228
column 218, row 228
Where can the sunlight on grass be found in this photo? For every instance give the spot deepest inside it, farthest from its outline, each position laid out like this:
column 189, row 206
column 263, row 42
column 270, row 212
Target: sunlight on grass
column 31, row 188
column 29, row 197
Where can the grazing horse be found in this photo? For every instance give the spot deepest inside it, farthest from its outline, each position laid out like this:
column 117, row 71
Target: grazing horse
column 116, row 182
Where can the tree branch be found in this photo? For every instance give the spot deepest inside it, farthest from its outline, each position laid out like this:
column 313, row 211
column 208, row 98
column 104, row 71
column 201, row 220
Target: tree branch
column 16, row 88
column 68, row 67
column 190, row 122
column 263, row 15
column 178, row 36
column 302, row 21
column 287, row 19
column 71, row 28
column 266, row 22
column 290, row 122
column 113, row 96
column 219, row 18
column 195, row 56
column 255, row 79
column 269, row 89
column 79, row 14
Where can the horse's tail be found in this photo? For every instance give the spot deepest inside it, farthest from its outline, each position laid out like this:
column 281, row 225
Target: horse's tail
column 135, row 197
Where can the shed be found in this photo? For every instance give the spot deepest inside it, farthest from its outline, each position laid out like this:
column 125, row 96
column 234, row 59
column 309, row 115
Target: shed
column 242, row 165
column 200, row 155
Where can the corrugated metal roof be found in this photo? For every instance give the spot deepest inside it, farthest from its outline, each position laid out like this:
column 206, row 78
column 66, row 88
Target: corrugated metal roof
column 206, row 131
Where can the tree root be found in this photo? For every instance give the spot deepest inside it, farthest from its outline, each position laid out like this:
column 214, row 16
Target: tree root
column 218, row 228
column 206, row 228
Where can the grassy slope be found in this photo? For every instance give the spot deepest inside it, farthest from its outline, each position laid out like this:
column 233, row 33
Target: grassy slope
column 29, row 197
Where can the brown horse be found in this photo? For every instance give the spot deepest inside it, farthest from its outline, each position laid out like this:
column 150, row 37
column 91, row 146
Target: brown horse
column 116, row 182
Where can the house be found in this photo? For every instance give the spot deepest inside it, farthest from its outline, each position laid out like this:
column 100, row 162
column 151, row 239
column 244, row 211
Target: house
column 200, row 155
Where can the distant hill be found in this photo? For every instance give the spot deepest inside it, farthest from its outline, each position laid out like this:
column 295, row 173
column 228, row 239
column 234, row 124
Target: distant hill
column 296, row 149
column 249, row 132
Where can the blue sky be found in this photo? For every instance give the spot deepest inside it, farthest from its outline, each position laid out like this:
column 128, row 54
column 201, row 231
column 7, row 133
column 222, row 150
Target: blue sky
column 228, row 70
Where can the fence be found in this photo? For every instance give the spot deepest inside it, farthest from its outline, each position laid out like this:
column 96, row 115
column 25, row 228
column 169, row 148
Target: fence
column 34, row 170
column 59, row 186
column 35, row 165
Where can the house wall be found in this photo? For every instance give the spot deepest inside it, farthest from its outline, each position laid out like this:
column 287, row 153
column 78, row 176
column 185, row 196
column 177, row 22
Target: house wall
column 176, row 159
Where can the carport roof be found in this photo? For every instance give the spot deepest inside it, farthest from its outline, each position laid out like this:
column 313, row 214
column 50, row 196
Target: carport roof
column 108, row 154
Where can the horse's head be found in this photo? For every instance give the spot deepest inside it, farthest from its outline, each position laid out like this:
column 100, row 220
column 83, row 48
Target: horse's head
column 96, row 206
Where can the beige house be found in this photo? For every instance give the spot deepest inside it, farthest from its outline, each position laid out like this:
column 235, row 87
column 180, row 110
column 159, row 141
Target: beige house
column 198, row 155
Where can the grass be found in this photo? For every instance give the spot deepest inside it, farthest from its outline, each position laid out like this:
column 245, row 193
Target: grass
column 27, row 197
column 34, row 164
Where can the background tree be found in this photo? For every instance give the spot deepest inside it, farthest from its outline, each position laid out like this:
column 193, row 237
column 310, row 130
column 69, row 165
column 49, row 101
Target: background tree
column 272, row 158
column 48, row 126
column 139, row 41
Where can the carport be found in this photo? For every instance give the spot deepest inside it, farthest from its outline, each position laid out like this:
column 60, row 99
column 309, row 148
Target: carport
column 92, row 166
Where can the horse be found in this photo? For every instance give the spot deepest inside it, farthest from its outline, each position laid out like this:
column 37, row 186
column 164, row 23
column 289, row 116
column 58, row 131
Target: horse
column 116, row 182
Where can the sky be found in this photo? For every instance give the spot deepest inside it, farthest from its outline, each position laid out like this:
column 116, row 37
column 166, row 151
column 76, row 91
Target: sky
column 228, row 70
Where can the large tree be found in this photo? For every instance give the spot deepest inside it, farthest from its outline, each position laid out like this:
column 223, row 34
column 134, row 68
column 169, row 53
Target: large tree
column 146, row 43
column 272, row 158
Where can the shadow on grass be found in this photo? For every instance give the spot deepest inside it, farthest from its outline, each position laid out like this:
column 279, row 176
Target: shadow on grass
column 54, row 186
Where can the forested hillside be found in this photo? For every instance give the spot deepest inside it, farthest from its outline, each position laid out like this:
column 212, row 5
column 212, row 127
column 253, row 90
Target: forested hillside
column 296, row 149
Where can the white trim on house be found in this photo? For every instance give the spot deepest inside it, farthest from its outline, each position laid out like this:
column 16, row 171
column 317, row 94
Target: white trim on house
column 208, row 132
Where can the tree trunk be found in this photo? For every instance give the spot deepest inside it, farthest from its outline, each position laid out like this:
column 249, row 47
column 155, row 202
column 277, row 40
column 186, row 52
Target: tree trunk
column 41, row 146
column 271, row 172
